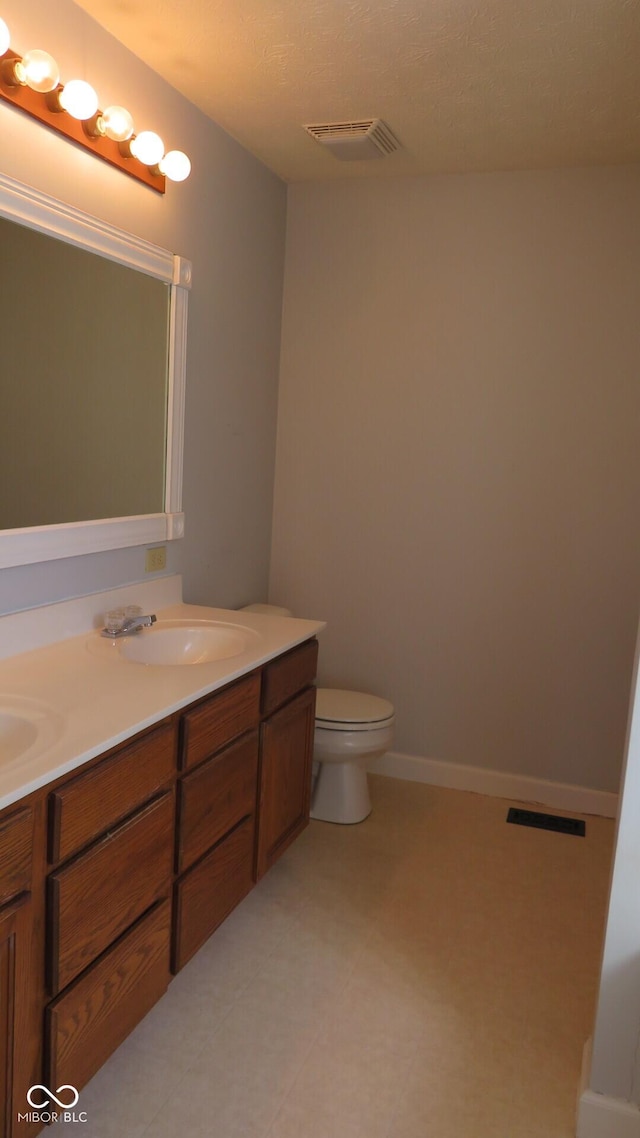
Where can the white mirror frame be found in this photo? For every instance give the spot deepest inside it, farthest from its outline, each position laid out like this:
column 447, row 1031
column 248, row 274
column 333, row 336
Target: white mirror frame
column 29, row 207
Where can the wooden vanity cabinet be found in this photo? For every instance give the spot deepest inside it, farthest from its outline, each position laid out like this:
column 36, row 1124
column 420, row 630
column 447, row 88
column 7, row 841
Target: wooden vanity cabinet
column 286, row 752
column 14, row 932
column 218, row 719
column 216, row 796
column 97, row 1012
column 245, row 793
column 108, row 902
column 93, row 802
column 93, row 899
column 20, row 986
column 16, row 843
column 209, row 892
column 287, row 675
column 111, row 879
column 216, row 813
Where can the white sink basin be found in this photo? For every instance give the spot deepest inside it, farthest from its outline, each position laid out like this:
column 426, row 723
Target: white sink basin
column 171, row 642
column 25, row 726
column 16, row 734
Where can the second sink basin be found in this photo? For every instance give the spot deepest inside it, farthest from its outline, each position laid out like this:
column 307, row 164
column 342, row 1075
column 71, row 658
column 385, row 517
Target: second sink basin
column 25, row 726
column 17, row 734
column 171, row 642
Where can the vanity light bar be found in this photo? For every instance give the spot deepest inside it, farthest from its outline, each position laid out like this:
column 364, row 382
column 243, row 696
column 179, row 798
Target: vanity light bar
column 32, row 82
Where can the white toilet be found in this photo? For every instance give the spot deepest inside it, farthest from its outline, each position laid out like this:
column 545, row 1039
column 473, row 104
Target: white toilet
column 352, row 728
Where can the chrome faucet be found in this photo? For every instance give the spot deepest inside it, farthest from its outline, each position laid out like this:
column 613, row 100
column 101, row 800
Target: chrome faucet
column 135, row 623
column 128, row 625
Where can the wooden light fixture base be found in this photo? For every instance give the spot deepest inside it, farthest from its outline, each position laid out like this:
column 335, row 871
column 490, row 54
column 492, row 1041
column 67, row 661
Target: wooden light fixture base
column 41, row 107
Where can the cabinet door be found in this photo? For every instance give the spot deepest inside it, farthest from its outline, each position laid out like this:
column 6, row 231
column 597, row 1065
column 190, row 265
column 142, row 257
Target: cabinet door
column 13, row 956
column 16, row 844
column 208, row 892
column 286, row 753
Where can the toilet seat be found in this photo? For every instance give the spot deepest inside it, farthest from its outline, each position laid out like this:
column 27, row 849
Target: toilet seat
column 339, row 710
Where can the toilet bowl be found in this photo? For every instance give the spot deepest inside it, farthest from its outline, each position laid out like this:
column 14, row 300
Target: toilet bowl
column 351, row 730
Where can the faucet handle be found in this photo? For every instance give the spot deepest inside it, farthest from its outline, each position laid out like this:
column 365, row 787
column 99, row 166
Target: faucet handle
column 114, row 620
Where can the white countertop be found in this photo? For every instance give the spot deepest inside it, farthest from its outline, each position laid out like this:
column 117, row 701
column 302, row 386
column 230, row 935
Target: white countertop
column 86, row 698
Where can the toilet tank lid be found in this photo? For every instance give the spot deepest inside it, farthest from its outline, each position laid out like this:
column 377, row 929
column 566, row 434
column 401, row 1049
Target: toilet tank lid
column 268, row 610
column 335, row 705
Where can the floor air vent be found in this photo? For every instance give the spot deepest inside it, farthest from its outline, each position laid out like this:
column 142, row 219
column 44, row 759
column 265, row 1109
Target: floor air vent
column 547, row 822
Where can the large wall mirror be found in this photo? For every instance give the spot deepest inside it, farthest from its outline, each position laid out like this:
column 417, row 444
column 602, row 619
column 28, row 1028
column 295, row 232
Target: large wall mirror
column 93, row 334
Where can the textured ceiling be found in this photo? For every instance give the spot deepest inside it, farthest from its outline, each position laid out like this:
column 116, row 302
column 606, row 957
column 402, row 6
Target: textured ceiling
column 464, row 84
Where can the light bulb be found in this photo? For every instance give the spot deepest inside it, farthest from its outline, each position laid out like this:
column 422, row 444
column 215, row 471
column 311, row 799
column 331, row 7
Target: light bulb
column 147, row 147
column 39, row 71
column 78, row 99
column 175, row 165
column 5, row 38
column 116, row 123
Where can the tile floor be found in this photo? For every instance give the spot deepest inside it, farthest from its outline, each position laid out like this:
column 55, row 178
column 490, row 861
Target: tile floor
column 430, row 973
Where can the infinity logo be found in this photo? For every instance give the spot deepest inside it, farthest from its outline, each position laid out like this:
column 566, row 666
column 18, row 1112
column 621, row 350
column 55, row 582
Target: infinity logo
column 60, row 1102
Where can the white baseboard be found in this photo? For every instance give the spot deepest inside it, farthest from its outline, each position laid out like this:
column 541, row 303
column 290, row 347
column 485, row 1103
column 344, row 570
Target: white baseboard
column 602, row 1117
column 499, row 784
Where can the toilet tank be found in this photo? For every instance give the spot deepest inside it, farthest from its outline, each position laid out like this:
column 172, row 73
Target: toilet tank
column 268, row 610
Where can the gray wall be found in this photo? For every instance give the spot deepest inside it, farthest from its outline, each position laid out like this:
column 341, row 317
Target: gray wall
column 228, row 219
column 458, row 469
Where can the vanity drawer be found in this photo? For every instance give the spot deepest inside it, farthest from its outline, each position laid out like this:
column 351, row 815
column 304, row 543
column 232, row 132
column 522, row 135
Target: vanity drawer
column 16, row 844
column 215, row 797
column 96, row 1013
column 209, row 891
column 288, row 675
column 214, row 723
column 95, row 897
column 93, row 802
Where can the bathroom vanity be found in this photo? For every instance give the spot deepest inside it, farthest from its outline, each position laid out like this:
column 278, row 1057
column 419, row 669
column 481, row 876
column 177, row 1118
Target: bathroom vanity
column 140, row 799
column 114, row 873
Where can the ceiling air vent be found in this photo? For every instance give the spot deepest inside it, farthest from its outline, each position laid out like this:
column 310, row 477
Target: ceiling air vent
column 355, row 141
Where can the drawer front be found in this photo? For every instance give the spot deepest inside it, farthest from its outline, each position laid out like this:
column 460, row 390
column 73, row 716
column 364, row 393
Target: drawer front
column 93, row 1017
column 215, row 797
column 16, row 843
column 95, row 898
column 209, row 891
column 288, row 675
column 94, row 802
column 219, row 720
